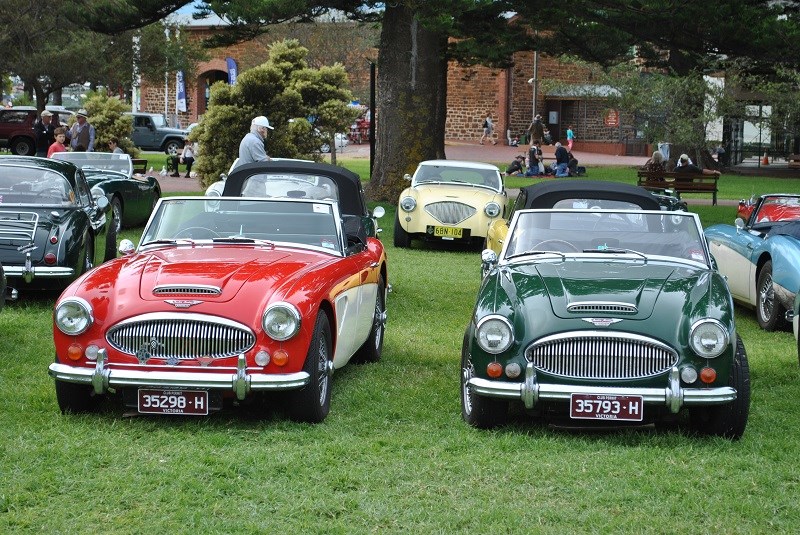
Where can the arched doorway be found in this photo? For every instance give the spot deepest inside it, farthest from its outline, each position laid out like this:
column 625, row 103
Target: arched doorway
column 203, row 87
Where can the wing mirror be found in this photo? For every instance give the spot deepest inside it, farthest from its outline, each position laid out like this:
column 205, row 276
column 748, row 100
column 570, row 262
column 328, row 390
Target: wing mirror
column 488, row 261
column 378, row 212
column 407, row 177
column 126, row 247
column 739, row 222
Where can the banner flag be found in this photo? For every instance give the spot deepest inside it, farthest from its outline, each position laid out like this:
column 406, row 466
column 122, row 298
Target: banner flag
column 233, row 70
column 180, row 92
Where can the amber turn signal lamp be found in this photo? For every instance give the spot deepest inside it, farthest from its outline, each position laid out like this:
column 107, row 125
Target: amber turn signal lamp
column 74, row 352
column 708, row 375
column 280, row 357
column 494, row 369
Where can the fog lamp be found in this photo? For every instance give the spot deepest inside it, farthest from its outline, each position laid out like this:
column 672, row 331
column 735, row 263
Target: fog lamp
column 262, row 358
column 74, row 352
column 494, row 370
column 280, row 357
column 708, row 375
column 513, row 370
column 688, row 375
column 91, row 352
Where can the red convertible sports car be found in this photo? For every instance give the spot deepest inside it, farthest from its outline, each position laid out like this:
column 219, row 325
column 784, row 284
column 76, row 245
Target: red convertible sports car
column 225, row 297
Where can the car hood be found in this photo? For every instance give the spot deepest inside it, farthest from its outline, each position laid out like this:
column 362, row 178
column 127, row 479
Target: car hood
column 630, row 290
column 473, row 195
column 220, row 274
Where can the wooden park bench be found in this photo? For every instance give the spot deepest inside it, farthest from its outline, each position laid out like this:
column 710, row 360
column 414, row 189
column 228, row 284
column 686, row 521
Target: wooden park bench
column 679, row 182
column 139, row 166
column 793, row 161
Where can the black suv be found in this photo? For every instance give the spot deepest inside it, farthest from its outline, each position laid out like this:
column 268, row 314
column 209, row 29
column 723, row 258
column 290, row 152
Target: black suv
column 16, row 127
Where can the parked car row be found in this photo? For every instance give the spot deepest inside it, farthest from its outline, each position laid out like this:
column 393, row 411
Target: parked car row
column 600, row 304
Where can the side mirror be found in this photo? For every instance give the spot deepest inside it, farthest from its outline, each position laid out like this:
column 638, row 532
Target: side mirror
column 488, row 261
column 126, row 247
column 378, row 212
column 739, row 222
column 407, row 177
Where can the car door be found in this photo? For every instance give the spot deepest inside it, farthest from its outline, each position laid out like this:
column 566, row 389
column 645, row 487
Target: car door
column 143, row 131
column 733, row 255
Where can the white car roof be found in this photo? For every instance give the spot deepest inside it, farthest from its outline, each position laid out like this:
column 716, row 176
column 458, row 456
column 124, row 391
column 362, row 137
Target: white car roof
column 458, row 163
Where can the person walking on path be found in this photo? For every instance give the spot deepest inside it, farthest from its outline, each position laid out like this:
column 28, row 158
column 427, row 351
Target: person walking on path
column 570, row 138
column 251, row 148
column 536, row 130
column 488, row 128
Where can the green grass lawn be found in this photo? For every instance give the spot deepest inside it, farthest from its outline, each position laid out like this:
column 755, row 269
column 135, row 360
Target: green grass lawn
column 394, row 455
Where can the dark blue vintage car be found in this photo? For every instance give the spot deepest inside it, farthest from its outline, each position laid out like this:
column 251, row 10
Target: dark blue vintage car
column 52, row 229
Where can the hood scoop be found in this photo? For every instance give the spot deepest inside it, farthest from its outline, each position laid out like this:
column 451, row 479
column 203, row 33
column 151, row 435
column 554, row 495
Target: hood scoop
column 187, row 289
column 603, row 307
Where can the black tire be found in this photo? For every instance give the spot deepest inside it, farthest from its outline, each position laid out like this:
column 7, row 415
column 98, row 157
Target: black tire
column 479, row 411
column 74, row 398
column 116, row 212
column 172, row 147
column 23, row 147
column 313, row 402
column 372, row 349
column 729, row 420
column 401, row 237
column 769, row 311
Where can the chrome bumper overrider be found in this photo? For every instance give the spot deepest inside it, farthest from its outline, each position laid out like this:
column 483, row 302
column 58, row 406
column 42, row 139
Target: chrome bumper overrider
column 240, row 383
column 673, row 396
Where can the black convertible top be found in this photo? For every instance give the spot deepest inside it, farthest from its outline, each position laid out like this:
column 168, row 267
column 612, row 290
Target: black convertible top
column 547, row 194
column 351, row 192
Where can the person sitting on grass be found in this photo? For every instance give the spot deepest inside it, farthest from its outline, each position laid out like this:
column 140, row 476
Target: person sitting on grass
column 515, row 168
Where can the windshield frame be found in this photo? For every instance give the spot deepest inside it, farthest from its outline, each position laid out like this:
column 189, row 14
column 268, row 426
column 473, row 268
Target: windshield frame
column 417, row 181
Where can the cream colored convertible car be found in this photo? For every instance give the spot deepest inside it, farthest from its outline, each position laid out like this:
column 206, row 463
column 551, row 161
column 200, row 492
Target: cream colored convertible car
column 450, row 200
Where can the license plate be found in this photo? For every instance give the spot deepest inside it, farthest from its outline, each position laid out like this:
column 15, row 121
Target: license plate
column 173, row 401
column 606, row 407
column 448, row 232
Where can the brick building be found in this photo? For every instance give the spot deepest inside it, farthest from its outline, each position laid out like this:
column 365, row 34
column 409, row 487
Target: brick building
column 472, row 91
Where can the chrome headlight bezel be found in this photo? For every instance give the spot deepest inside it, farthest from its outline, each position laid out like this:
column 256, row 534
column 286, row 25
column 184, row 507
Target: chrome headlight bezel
column 408, row 203
column 492, row 209
column 281, row 321
column 494, row 325
column 76, row 310
column 700, row 334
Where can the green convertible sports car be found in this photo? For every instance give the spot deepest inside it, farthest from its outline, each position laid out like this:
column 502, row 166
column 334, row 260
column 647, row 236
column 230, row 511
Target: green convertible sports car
column 601, row 317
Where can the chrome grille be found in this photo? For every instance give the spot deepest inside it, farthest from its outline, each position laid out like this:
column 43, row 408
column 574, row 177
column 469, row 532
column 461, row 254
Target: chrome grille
column 180, row 336
column 450, row 213
column 614, row 308
column 187, row 290
column 18, row 225
column 601, row 355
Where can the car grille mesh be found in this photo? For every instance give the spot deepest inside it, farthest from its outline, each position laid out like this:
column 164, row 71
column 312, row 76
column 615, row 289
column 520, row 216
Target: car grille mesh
column 601, row 356
column 450, row 213
column 18, row 225
column 178, row 336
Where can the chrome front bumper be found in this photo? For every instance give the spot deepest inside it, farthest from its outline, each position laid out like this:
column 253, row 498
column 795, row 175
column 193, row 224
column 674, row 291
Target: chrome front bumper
column 240, row 383
column 531, row 391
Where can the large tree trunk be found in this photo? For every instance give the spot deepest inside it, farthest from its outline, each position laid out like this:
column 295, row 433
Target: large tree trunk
column 410, row 102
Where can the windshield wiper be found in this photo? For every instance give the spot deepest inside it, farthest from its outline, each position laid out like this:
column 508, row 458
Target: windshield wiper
column 536, row 252
column 241, row 239
column 168, row 242
column 616, row 250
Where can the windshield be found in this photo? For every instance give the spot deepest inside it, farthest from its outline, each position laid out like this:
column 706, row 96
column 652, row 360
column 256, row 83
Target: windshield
column 245, row 220
column 37, row 186
column 97, row 160
column 649, row 233
column 463, row 175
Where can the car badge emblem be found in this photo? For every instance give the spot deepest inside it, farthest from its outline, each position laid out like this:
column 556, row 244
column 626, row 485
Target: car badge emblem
column 601, row 322
column 205, row 361
column 182, row 303
column 145, row 351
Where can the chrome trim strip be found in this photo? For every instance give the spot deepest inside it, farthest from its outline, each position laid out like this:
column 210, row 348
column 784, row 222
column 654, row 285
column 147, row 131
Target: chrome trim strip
column 44, row 272
column 531, row 391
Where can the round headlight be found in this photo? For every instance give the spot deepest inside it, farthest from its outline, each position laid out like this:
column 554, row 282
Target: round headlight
column 492, row 209
column 281, row 321
column 709, row 338
column 494, row 334
column 408, row 203
column 73, row 316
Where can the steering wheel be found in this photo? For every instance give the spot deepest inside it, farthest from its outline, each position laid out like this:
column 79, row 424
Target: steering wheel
column 557, row 242
column 188, row 232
